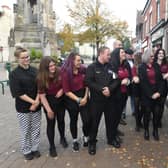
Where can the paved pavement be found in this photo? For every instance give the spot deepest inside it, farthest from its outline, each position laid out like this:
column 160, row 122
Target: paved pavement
column 134, row 153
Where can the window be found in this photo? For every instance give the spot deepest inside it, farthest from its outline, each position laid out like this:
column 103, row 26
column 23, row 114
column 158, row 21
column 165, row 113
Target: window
column 150, row 21
column 158, row 10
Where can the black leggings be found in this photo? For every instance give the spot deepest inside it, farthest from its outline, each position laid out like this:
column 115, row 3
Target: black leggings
column 74, row 109
column 73, row 114
column 58, row 107
column 155, row 109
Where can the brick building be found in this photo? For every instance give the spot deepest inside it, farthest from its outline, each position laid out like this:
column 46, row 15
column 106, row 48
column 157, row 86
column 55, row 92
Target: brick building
column 154, row 31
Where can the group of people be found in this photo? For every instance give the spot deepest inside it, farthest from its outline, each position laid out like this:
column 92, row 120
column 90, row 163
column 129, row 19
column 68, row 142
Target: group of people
column 102, row 87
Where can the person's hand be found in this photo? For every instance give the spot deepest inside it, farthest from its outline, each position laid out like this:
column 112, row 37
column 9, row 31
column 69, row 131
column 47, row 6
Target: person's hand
column 36, row 102
column 125, row 81
column 106, row 91
column 165, row 76
column 155, row 95
column 33, row 107
column 50, row 114
column 135, row 79
column 83, row 101
column 59, row 93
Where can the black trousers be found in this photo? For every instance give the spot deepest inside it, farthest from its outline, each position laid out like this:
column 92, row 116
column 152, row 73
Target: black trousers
column 74, row 109
column 136, row 91
column 57, row 105
column 121, row 102
column 154, row 108
column 96, row 109
column 138, row 111
column 162, row 104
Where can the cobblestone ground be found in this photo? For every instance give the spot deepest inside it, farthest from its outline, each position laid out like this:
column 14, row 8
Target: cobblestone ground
column 134, row 153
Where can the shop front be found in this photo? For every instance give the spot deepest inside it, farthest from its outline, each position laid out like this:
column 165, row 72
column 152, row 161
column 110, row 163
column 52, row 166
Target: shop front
column 157, row 39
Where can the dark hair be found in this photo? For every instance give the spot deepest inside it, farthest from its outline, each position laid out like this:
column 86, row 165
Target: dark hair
column 129, row 51
column 43, row 73
column 115, row 58
column 18, row 51
column 102, row 49
column 115, row 61
column 156, row 55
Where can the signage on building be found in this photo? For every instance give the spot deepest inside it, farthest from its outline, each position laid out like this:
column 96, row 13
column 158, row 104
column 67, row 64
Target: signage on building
column 157, row 34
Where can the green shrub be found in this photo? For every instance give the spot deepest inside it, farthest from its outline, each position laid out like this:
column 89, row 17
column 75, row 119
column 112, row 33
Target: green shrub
column 55, row 57
column 35, row 54
column 39, row 54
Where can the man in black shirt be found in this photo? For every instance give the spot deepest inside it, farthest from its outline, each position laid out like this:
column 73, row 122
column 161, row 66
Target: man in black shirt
column 103, row 83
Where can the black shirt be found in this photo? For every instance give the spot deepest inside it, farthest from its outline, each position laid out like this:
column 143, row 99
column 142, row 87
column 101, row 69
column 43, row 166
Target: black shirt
column 98, row 76
column 23, row 81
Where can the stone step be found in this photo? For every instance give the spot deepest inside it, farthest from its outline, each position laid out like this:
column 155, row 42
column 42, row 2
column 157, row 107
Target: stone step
column 30, row 39
column 32, row 34
column 32, row 45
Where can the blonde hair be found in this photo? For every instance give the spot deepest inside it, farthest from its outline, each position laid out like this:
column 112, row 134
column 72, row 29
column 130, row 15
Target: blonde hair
column 146, row 55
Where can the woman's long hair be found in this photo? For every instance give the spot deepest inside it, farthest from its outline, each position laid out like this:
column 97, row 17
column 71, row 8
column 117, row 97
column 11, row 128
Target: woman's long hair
column 164, row 61
column 115, row 59
column 43, row 77
column 68, row 66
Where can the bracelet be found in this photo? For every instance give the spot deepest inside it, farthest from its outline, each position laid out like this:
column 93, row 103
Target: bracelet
column 79, row 99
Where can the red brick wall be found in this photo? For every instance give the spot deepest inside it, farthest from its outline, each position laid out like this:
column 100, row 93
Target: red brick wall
column 153, row 4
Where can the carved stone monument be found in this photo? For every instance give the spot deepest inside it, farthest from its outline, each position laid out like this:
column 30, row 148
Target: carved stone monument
column 34, row 25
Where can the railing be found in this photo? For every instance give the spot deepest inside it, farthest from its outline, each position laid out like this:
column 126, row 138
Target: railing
column 2, row 84
column 6, row 81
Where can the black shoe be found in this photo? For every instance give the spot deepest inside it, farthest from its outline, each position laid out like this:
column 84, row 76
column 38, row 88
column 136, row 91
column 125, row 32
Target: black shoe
column 28, row 156
column 115, row 143
column 75, row 146
column 146, row 135
column 53, row 152
column 92, row 148
column 36, row 154
column 63, row 142
column 156, row 135
column 120, row 133
column 122, row 122
column 120, row 140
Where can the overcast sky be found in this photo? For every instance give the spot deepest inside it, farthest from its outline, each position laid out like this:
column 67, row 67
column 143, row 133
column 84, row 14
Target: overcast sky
column 123, row 9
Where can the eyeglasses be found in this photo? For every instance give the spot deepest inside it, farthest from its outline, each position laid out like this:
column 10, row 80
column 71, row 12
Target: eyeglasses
column 23, row 58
